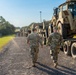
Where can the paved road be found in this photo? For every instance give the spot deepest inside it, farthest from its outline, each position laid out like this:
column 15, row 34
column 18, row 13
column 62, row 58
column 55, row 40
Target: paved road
column 16, row 60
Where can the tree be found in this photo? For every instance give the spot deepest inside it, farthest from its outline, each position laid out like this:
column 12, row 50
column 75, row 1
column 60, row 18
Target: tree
column 5, row 27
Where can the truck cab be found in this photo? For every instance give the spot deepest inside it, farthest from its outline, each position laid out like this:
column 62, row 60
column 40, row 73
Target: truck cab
column 64, row 17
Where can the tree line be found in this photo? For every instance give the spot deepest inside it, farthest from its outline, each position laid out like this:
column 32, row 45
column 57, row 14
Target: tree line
column 5, row 27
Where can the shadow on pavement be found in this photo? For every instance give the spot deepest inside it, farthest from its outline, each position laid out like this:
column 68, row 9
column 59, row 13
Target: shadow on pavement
column 67, row 70
column 48, row 70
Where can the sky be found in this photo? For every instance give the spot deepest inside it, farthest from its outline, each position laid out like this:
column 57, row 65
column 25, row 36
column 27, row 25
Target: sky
column 21, row 13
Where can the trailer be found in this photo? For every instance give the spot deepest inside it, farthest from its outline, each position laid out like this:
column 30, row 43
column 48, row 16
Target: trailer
column 69, row 47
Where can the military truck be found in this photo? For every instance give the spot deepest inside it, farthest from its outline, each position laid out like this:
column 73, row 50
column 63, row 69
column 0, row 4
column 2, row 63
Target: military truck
column 64, row 17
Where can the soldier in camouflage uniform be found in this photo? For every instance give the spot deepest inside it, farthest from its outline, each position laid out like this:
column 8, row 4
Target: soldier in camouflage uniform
column 33, row 40
column 55, row 40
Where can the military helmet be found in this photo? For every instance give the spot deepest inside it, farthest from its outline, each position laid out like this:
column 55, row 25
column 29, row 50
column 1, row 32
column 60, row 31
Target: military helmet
column 55, row 27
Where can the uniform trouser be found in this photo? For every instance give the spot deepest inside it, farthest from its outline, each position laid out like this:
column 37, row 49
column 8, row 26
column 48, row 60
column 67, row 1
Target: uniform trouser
column 34, row 53
column 55, row 53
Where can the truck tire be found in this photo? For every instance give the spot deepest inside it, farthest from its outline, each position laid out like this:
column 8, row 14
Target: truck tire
column 50, row 29
column 62, row 30
column 44, row 41
column 73, row 50
column 66, row 49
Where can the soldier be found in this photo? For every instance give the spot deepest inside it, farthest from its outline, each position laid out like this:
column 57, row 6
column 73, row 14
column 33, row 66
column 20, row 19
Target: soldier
column 55, row 40
column 33, row 40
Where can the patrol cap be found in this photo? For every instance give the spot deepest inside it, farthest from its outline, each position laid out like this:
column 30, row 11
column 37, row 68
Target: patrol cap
column 34, row 29
column 55, row 27
column 29, row 31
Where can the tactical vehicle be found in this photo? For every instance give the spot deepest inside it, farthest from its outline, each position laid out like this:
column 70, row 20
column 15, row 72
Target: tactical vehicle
column 64, row 17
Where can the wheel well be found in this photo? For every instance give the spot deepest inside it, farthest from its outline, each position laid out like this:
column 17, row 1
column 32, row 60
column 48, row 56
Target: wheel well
column 65, row 29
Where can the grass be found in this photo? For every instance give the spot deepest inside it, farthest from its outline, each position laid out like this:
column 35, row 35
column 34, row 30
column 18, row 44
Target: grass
column 74, row 36
column 4, row 40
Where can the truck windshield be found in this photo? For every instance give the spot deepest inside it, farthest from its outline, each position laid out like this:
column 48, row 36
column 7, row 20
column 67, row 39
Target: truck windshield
column 72, row 8
column 55, row 11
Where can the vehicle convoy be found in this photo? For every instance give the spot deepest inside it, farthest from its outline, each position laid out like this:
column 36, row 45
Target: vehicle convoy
column 65, row 18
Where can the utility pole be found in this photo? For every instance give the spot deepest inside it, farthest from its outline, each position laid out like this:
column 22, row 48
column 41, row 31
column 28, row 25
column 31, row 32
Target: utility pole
column 40, row 16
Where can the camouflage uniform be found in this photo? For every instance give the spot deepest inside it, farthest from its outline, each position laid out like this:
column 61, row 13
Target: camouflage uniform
column 54, row 40
column 34, row 40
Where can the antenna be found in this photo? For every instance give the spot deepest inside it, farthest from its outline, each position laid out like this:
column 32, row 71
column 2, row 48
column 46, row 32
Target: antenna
column 40, row 16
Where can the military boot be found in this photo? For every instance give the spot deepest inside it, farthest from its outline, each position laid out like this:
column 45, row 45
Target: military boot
column 55, row 65
column 51, row 56
column 33, row 65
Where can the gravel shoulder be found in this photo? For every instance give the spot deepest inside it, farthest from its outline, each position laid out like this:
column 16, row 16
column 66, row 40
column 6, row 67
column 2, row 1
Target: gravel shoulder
column 16, row 60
